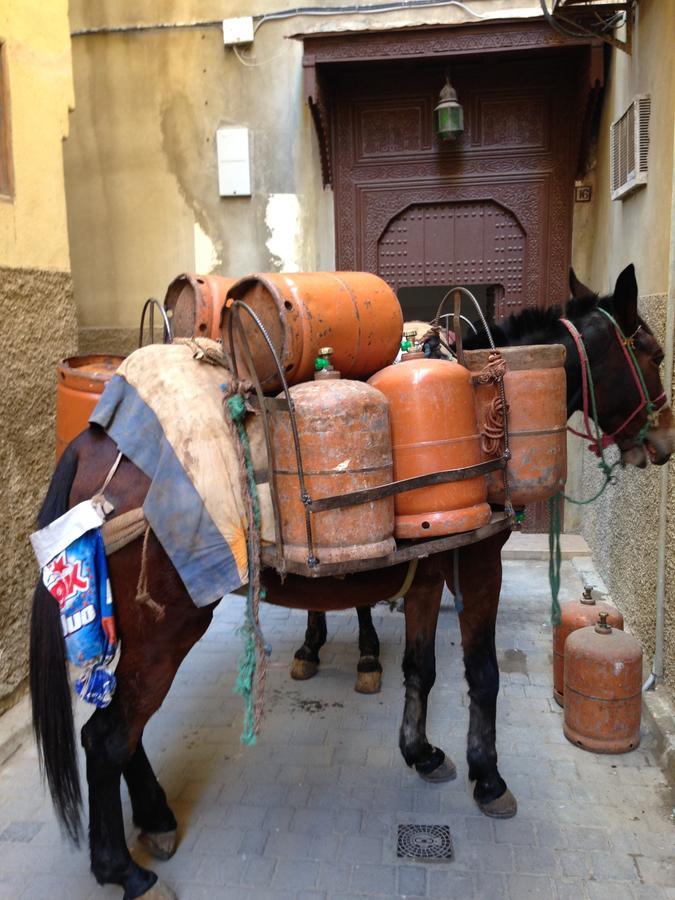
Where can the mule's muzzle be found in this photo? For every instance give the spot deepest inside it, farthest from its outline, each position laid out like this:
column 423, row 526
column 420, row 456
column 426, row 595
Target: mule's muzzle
column 634, row 456
column 659, row 445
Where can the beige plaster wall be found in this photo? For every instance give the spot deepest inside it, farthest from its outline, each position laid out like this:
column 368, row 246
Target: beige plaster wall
column 33, row 230
column 622, row 526
column 141, row 170
column 38, row 325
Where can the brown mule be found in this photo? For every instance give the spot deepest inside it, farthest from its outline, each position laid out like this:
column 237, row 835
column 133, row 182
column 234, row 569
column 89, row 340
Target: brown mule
column 156, row 638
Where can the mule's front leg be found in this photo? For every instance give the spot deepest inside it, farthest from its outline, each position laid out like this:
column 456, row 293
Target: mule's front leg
column 368, row 670
column 306, row 660
column 480, row 580
column 422, row 604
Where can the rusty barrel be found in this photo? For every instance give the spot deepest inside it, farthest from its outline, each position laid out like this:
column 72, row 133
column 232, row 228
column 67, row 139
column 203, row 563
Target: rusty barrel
column 603, row 689
column 536, row 396
column 355, row 313
column 346, row 446
column 79, row 384
column 433, row 423
column 574, row 615
column 194, row 304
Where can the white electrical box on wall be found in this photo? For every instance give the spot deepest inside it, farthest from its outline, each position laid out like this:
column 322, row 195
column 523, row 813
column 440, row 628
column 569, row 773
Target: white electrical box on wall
column 234, row 168
column 238, row 30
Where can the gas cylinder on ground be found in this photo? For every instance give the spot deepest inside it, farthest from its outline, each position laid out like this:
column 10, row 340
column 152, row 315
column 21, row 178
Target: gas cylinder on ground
column 356, row 313
column 573, row 615
column 345, row 440
column 194, row 304
column 79, row 384
column 433, row 423
column 536, row 397
column 603, row 688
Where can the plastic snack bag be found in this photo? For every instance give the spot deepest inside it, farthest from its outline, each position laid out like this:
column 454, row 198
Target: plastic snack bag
column 76, row 575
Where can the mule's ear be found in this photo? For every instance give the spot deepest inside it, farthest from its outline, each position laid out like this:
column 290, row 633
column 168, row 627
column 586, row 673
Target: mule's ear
column 625, row 300
column 577, row 288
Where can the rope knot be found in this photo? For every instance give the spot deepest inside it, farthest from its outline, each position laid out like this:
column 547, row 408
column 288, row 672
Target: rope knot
column 493, row 371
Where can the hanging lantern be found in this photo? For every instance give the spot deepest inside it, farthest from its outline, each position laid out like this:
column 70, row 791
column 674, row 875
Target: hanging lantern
column 449, row 115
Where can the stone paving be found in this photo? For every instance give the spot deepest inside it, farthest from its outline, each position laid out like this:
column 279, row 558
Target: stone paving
column 312, row 811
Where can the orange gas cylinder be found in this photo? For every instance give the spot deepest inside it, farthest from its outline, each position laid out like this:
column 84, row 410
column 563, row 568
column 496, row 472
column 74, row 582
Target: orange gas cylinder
column 355, row 312
column 194, row 304
column 603, row 689
column 574, row 615
column 536, row 395
column 345, row 441
column 79, row 384
column 433, row 426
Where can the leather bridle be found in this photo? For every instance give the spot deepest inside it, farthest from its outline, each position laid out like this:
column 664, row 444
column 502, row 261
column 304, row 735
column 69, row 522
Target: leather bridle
column 601, row 441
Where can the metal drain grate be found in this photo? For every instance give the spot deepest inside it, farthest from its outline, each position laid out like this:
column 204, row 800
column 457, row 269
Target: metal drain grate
column 432, row 843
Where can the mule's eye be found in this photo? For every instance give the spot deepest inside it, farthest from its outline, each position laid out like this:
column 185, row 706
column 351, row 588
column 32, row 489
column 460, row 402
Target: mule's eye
column 658, row 358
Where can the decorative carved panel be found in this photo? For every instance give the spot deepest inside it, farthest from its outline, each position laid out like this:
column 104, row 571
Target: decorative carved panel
column 513, row 122
column 515, row 157
column 391, row 130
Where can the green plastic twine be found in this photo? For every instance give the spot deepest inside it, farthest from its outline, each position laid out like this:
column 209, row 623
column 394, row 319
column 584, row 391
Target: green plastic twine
column 246, row 669
column 320, row 363
column 247, row 664
column 554, row 555
column 237, row 408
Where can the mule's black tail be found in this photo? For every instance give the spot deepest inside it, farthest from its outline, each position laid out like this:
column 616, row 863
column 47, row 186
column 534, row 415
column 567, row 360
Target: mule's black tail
column 49, row 685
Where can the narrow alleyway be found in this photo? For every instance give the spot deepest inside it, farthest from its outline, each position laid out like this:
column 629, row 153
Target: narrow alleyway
column 313, row 810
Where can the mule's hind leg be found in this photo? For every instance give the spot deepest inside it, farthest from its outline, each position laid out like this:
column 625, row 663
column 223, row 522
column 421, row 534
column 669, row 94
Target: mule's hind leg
column 151, row 811
column 154, row 643
column 306, row 660
column 368, row 670
column 422, row 604
column 103, row 738
column 480, row 577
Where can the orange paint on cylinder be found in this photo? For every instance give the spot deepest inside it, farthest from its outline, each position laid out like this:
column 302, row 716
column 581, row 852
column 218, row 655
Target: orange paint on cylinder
column 194, row 304
column 346, row 446
column 536, row 395
column 433, row 423
column 603, row 689
column 79, row 384
column 355, row 313
column 574, row 615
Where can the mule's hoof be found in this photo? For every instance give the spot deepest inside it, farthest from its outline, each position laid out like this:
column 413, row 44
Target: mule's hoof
column 368, row 682
column 447, row 771
column 159, row 891
column 302, row 669
column 160, row 844
column 504, row 807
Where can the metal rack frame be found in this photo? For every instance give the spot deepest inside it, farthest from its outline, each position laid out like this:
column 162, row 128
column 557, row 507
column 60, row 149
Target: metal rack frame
column 406, row 550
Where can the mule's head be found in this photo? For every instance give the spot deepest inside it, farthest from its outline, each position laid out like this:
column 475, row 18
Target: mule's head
column 641, row 435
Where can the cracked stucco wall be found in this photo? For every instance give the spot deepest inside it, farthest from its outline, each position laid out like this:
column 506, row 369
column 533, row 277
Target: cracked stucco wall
column 38, row 324
column 141, row 168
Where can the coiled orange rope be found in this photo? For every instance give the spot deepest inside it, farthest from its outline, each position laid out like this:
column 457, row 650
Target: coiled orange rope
column 492, row 427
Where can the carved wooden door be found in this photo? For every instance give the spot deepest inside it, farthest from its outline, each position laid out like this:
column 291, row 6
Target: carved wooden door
column 491, row 208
